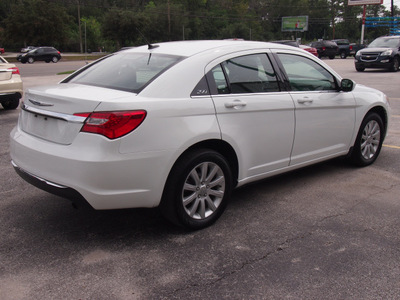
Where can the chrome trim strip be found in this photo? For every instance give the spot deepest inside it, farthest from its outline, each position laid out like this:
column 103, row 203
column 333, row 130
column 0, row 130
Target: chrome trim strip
column 39, row 103
column 38, row 178
column 56, row 115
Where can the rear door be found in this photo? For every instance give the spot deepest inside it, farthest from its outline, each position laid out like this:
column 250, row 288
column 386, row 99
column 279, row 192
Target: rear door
column 254, row 115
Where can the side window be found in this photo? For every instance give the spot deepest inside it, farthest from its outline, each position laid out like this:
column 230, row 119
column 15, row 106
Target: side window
column 244, row 74
column 250, row 74
column 306, row 75
column 220, row 80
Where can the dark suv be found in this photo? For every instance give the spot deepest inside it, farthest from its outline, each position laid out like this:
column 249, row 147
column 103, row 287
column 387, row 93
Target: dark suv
column 326, row 48
column 383, row 52
column 46, row 54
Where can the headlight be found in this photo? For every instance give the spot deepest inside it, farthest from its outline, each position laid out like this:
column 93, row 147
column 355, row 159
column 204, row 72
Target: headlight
column 358, row 53
column 387, row 52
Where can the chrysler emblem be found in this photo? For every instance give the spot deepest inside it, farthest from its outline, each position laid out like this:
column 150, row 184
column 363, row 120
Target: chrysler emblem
column 39, row 103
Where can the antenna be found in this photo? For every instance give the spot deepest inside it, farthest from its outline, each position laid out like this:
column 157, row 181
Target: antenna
column 150, row 46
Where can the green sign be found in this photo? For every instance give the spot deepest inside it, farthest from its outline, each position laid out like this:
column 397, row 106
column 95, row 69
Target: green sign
column 299, row 23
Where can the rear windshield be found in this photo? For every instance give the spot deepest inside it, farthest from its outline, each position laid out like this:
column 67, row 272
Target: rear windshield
column 125, row 71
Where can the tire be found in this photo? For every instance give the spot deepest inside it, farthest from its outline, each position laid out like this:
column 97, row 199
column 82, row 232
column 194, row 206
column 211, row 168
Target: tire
column 54, row 59
column 331, row 56
column 395, row 65
column 47, row 61
column 11, row 102
column 191, row 197
column 360, row 69
column 369, row 140
column 31, row 60
column 343, row 55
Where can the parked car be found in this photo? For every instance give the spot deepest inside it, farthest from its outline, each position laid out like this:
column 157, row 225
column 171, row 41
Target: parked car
column 179, row 125
column 310, row 49
column 296, row 44
column 287, row 42
column 10, row 85
column 383, row 52
column 46, row 54
column 355, row 47
column 27, row 49
column 344, row 47
column 326, row 48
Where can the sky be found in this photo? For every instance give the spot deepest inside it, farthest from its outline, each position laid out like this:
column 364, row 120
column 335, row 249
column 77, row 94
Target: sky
column 387, row 3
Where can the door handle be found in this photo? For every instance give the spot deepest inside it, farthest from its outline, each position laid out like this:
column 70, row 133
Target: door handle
column 305, row 100
column 235, row 104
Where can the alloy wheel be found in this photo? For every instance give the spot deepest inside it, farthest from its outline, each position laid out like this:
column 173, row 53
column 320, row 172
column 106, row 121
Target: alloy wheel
column 370, row 139
column 203, row 190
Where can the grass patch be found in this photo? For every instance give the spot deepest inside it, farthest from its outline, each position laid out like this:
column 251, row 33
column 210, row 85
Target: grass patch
column 66, row 72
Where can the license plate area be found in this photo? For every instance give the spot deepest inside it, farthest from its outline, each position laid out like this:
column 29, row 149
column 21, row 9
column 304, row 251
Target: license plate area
column 49, row 128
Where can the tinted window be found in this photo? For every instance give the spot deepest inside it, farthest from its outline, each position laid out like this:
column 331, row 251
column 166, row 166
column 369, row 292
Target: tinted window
column 384, row 43
column 125, row 71
column 306, row 75
column 245, row 74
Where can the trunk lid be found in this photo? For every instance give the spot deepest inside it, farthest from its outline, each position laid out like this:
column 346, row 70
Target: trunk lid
column 48, row 111
column 5, row 72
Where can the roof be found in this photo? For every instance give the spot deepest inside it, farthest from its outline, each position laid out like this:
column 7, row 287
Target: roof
column 190, row 48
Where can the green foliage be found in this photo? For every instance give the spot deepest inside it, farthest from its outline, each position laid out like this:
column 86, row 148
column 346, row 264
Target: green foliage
column 37, row 22
column 118, row 23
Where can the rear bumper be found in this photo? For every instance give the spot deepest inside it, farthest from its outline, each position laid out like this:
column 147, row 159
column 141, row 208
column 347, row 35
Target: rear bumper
column 97, row 174
column 76, row 198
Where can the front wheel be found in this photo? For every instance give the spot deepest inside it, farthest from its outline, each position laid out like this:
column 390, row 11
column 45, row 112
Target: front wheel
column 343, row 55
column 31, row 60
column 369, row 140
column 395, row 65
column 360, row 69
column 197, row 190
column 331, row 56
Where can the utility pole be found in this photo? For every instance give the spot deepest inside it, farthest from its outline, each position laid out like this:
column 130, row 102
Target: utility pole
column 79, row 24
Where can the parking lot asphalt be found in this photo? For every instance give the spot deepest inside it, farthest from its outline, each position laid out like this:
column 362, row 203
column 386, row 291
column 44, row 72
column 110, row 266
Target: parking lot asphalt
column 330, row 231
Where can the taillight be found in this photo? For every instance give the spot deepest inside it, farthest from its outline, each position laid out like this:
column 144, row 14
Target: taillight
column 14, row 70
column 112, row 124
column 351, row 47
column 323, row 48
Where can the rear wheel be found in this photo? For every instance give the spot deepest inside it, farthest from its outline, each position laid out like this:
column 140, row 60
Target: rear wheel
column 197, row 189
column 11, row 102
column 369, row 140
column 54, row 59
column 343, row 55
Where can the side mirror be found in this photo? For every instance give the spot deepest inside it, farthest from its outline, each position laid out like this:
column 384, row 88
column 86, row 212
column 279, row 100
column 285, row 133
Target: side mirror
column 347, row 85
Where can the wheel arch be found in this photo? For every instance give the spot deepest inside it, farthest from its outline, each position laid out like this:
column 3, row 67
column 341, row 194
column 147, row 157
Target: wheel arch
column 220, row 146
column 382, row 113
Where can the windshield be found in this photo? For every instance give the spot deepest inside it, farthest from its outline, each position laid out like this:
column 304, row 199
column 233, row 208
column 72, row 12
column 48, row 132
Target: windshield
column 384, row 43
column 125, row 71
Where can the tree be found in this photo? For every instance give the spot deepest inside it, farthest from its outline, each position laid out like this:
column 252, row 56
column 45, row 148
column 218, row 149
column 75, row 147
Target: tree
column 37, row 22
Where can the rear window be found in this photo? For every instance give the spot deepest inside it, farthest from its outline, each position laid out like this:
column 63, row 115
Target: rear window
column 125, row 71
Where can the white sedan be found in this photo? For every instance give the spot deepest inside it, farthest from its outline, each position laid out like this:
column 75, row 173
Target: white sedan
column 179, row 125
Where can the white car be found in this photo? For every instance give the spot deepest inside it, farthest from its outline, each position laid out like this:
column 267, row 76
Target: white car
column 179, row 125
column 10, row 85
